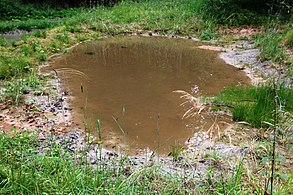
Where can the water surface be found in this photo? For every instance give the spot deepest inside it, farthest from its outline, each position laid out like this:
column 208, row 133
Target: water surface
column 128, row 82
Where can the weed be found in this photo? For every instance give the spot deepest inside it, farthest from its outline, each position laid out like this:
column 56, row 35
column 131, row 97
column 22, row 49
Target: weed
column 54, row 47
column 80, row 38
column 25, row 169
column 176, row 151
column 208, row 35
column 26, row 50
column 158, row 136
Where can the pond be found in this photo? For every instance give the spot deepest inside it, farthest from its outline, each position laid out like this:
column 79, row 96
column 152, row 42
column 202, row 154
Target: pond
column 129, row 82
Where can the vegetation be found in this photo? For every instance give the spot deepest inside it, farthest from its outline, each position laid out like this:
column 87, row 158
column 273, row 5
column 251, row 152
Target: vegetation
column 254, row 104
column 233, row 12
column 15, row 10
column 25, row 169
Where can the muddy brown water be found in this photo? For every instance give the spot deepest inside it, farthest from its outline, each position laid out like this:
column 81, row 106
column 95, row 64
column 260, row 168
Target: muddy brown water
column 129, row 82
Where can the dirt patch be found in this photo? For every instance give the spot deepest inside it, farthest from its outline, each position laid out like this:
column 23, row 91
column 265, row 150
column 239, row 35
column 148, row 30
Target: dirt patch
column 212, row 48
column 240, row 32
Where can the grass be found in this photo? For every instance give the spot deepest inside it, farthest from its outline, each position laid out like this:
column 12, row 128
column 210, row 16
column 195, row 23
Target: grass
column 31, row 166
column 176, row 150
column 254, row 104
column 14, row 10
column 24, row 169
column 270, row 46
column 289, row 38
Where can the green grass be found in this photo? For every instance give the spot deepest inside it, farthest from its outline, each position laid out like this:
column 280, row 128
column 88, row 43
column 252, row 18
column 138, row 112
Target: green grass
column 29, row 25
column 172, row 17
column 254, row 104
column 289, row 38
column 14, row 10
column 270, row 47
column 24, row 169
column 11, row 66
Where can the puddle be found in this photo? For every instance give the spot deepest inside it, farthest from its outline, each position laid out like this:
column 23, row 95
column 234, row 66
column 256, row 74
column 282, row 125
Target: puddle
column 129, row 82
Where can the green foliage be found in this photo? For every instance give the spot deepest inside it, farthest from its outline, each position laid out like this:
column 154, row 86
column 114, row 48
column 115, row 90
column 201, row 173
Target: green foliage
column 254, row 104
column 208, row 35
column 73, row 29
column 62, row 38
column 10, row 8
column 28, row 25
column 287, row 187
column 228, row 12
column 13, row 90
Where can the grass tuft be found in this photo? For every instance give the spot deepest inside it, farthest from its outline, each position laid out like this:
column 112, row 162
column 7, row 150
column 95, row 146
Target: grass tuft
column 289, row 38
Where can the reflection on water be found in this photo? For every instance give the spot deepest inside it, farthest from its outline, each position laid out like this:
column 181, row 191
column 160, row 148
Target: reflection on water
column 129, row 82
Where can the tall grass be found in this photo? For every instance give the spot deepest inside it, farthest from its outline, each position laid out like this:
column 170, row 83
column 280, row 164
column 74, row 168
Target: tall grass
column 254, row 104
column 271, row 47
